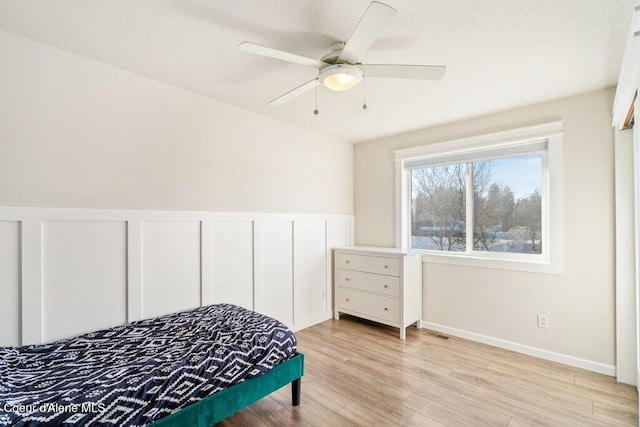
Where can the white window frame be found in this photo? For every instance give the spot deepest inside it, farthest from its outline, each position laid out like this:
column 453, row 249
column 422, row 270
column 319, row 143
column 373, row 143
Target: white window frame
column 552, row 258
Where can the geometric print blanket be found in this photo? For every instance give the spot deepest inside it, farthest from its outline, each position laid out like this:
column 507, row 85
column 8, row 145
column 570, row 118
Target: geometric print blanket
column 138, row 373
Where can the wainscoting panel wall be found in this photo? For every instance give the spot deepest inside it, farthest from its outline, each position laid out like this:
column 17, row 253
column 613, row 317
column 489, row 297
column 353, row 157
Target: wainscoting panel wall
column 309, row 274
column 170, row 266
column 273, row 259
column 10, row 282
column 68, row 271
column 232, row 263
column 84, row 277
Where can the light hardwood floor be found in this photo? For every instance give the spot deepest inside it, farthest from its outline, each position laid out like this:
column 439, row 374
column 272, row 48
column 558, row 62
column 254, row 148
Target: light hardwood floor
column 360, row 373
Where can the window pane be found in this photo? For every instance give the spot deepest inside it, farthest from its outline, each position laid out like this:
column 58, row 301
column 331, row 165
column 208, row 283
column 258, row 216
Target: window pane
column 507, row 202
column 438, row 211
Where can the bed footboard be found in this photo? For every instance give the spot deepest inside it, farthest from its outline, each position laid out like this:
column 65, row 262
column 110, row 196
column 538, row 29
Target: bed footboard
column 219, row 406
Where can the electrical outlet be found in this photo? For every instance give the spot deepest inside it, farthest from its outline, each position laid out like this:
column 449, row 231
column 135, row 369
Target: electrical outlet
column 543, row 322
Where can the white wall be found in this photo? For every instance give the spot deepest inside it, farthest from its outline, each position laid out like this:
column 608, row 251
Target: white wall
column 627, row 209
column 626, row 357
column 502, row 305
column 78, row 133
column 75, row 133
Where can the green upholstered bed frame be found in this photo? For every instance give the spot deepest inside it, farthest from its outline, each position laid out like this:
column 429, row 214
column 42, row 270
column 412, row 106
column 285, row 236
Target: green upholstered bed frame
column 219, row 406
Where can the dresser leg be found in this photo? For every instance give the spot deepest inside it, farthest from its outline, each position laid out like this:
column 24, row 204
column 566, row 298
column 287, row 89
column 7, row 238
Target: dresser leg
column 336, row 315
column 419, row 324
column 403, row 333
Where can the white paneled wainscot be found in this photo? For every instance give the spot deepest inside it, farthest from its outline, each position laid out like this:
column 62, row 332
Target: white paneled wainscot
column 68, row 271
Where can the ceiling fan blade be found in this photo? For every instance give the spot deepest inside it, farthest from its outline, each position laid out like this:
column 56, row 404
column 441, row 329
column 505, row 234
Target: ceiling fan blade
column 419, row 72
column 376, row 17
column 279, row 54
column 305, row 87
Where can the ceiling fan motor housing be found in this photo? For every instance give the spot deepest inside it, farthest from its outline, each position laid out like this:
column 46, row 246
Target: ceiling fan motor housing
column 334, row 52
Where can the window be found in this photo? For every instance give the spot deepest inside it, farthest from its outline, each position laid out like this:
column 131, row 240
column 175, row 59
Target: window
column 492, row 201
column 439, row 207
column 506, row 207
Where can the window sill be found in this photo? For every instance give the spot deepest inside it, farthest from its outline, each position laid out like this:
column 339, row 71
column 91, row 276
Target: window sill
column 541, row 265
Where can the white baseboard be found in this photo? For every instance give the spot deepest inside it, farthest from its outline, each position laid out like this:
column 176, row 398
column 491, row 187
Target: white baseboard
column 566, row 359
column 311, row 321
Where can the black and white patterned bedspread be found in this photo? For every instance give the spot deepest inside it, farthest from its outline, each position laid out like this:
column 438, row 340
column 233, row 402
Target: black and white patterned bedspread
column 138, row 373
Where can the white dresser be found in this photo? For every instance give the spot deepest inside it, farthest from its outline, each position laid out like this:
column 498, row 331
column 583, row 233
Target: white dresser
column 379, row 284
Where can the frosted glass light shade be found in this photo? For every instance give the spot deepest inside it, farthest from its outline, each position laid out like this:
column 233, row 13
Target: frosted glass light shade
column 340, row 77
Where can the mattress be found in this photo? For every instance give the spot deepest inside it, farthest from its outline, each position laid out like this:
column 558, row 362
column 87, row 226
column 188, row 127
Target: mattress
column 138, row 373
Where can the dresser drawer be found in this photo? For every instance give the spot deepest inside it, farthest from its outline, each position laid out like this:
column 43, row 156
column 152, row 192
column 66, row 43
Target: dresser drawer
column 370, row 264
column 385, row 285
column 378, row 306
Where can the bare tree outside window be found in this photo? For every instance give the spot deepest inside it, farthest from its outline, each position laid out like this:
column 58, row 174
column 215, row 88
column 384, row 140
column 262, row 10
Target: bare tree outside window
column 528, row 217
column 439, row 217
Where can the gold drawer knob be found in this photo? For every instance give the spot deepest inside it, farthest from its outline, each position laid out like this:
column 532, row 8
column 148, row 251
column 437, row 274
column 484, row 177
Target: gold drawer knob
column 346, row 279
column 386, row 286
column 346, row 299
column 347, row 261
column 386, row 266
column 386, row 309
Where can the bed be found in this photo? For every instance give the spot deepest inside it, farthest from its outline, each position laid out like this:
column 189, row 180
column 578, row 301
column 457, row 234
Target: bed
column 190, row 368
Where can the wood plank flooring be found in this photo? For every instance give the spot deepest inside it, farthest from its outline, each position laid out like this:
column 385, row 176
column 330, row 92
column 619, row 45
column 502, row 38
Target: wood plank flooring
column 360, row 373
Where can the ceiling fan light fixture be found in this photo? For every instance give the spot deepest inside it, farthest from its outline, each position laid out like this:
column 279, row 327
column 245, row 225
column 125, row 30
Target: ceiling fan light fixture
column 340, row 77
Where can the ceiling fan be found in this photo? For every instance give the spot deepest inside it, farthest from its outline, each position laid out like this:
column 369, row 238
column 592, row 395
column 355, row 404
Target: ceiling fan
column 341, row 68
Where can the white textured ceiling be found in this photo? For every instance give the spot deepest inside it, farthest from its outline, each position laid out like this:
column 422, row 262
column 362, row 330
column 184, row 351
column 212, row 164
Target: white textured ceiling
column 499, row 54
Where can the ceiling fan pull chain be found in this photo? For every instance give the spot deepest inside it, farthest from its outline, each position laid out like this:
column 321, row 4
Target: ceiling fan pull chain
column 364, row 92
column 316, row 110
